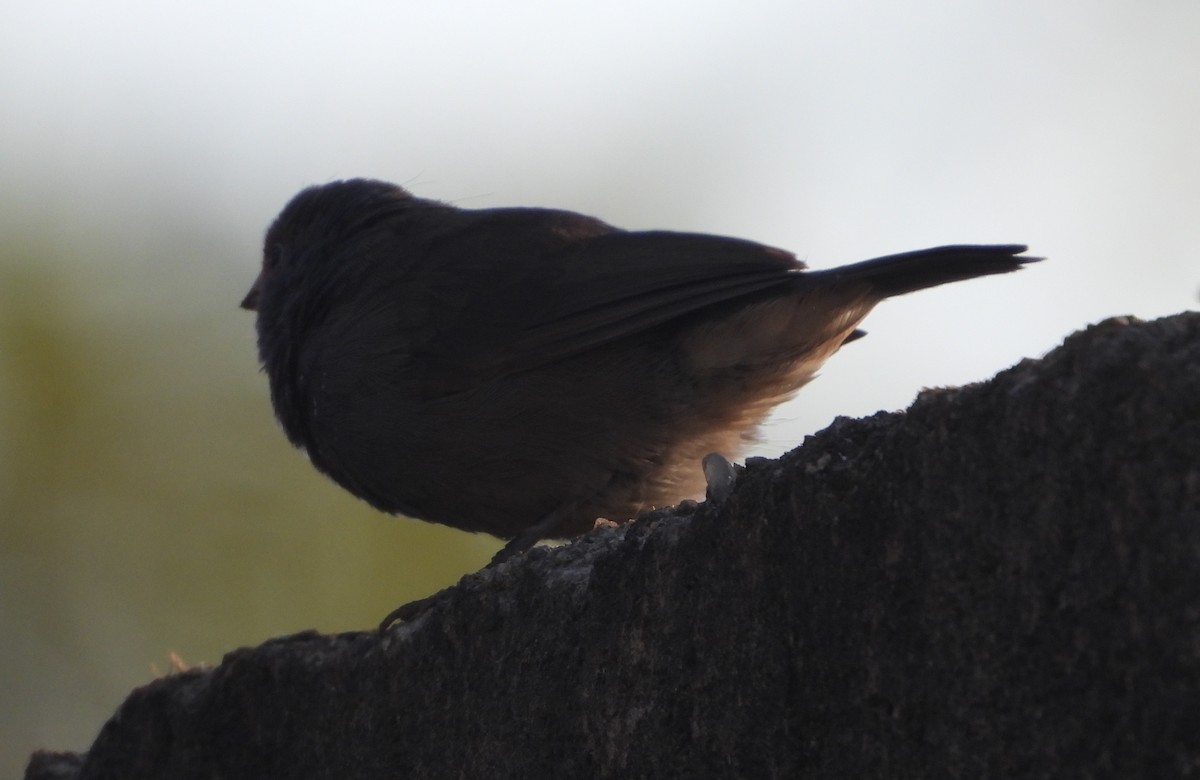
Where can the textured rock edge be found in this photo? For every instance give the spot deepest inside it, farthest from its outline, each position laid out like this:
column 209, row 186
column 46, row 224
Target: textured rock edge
column 1001, row 581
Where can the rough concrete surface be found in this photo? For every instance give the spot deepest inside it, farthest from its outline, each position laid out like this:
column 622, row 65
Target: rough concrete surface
column 1003, row 581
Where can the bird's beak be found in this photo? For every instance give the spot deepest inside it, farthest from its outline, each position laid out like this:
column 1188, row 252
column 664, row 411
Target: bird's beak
column 250, row 302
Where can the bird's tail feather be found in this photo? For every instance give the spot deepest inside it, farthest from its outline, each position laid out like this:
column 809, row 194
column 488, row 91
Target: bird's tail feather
column 912, row 271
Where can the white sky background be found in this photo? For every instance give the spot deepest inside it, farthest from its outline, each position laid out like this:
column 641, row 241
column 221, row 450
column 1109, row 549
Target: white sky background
column 839, row 131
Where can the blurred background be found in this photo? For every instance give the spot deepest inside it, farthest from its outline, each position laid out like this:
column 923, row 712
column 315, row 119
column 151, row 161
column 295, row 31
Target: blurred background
column 148, row 503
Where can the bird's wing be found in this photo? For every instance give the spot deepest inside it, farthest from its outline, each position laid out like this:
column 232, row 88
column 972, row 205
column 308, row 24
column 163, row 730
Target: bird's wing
column 524, row 303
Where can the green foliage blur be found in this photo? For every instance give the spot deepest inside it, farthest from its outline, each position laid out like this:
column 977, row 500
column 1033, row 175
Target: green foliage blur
column 149, row 505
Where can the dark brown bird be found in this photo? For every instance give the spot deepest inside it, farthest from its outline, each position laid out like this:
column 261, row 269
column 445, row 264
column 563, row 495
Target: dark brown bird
column 525, row 372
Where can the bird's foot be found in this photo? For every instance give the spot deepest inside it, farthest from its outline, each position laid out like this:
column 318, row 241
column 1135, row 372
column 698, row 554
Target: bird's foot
column 407, row 612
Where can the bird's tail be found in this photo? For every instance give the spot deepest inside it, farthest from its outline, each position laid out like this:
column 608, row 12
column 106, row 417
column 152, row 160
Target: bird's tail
column 911, row 271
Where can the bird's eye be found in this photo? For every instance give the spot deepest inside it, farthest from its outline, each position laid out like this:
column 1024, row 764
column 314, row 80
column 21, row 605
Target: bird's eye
column 273, row 256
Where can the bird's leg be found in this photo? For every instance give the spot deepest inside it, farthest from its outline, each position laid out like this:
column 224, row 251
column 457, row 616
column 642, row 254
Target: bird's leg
column 519, row 544
column 532, row 535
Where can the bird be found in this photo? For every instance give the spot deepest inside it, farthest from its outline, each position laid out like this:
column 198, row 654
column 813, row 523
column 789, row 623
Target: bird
column 527, row 372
